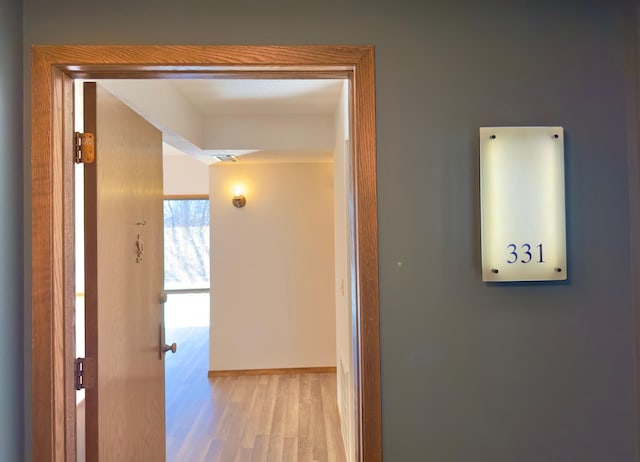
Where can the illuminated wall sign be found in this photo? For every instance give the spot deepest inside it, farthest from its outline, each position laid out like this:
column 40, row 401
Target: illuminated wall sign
column 522, row 204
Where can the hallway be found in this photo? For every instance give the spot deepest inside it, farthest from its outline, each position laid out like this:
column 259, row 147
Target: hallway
column 241, row 418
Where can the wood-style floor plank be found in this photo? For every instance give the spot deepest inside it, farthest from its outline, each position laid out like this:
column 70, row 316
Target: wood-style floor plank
column 264, row 418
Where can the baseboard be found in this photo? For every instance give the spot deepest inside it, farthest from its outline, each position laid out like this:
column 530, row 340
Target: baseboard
column 277, row 371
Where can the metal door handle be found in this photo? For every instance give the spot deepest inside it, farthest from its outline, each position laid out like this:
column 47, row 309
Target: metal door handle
column 163, row 347
column 172, row 348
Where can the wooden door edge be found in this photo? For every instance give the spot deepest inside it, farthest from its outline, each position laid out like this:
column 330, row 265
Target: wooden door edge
column 53, row 421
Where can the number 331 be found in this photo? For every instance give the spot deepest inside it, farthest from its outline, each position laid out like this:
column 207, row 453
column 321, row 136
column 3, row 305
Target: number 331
column 525, row 256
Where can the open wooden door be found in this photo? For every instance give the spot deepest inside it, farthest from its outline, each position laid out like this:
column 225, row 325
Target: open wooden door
column 124, row 282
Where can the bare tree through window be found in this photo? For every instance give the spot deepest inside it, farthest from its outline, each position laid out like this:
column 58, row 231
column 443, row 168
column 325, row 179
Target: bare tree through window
column 186, row 244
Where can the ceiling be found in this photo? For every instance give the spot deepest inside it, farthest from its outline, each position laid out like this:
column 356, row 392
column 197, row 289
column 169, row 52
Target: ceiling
column 254, row 120
column 266, row 96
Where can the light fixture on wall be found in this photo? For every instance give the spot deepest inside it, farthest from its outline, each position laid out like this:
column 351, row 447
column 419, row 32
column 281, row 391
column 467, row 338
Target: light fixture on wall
column 238, row 198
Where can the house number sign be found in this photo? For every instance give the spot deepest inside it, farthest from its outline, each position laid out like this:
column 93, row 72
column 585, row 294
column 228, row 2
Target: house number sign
column 522, row 204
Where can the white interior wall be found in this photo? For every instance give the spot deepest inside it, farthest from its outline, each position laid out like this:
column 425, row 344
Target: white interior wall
column 170, row 113
column 272, row 267
column 343, row 279
column 269, row 132
column 183, row 175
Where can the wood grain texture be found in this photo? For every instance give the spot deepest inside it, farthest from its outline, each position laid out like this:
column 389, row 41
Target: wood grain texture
column 49, row 198
column 163, row 61
column 44, row 383
column 59, row 182
column 275, row 371
column 123, row 187
column 291, row 417
column 368, row 309
column 91, row 425
column 69, row 283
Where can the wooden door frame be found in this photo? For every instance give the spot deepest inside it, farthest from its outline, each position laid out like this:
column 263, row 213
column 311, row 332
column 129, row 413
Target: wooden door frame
column 53, row 253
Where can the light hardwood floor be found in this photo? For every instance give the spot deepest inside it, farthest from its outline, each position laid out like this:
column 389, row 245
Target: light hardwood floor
column 246, row 418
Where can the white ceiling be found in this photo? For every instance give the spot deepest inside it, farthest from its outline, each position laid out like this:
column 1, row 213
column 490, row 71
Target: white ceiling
column 257, row 120
column 250, row 96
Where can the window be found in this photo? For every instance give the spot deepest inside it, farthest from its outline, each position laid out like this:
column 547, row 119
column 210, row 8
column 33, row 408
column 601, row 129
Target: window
column 186, row 244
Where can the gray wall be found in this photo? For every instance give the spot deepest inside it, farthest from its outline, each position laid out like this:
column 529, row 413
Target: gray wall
column 11, row 231
column 470, row 371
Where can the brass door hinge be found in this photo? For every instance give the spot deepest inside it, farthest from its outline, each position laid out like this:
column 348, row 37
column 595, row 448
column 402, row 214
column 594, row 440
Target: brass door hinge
column 85, row 373
column 85, row 148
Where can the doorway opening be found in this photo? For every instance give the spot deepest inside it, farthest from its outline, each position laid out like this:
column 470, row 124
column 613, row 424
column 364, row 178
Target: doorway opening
column 273, row 277
column 54, row 68
column 186, row 312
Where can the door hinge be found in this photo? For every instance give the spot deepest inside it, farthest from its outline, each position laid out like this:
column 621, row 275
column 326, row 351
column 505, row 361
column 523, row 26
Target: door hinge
column 85, row 152
column 85, row 373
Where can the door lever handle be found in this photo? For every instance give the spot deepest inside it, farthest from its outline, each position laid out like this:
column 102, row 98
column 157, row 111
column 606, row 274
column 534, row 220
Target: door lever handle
column 172, row 348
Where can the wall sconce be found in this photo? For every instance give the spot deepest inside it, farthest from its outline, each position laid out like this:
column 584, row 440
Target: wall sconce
column 238, row 199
